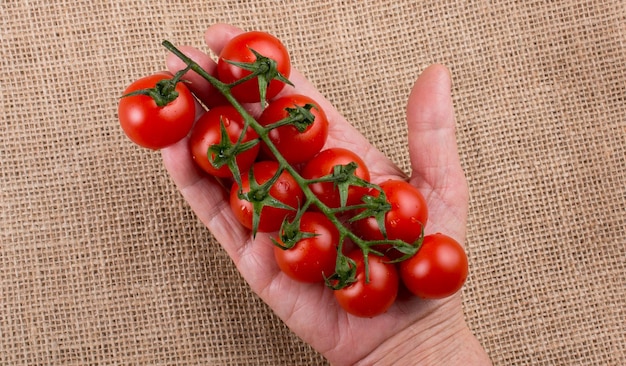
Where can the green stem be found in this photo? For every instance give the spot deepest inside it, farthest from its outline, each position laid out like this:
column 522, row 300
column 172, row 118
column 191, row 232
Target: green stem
column 283, row 122
column 245, row 78
column 263, row 131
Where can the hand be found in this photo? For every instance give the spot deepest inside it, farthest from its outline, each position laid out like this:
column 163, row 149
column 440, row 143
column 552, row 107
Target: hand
column 413, row 330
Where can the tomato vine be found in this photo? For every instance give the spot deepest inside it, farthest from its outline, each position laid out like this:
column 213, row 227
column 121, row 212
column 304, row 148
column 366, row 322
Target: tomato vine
column 343, row 176
column 330, row 223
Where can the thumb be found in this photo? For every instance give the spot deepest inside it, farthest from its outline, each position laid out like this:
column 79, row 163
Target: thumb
column 431, row 129
column 435, row 162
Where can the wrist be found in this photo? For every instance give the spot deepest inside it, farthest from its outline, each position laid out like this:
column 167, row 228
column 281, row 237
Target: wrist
column 439, row 339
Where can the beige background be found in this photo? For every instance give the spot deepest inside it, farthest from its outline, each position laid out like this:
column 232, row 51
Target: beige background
column 102, row 262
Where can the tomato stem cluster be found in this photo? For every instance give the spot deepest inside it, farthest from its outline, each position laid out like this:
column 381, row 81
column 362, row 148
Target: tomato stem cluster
column 330, row 224
column 342, row 176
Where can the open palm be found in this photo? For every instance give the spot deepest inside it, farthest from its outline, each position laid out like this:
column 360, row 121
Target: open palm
column 309, row 310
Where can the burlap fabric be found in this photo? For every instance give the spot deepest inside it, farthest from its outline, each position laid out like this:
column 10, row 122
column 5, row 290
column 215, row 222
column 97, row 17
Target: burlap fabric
column 102, row 262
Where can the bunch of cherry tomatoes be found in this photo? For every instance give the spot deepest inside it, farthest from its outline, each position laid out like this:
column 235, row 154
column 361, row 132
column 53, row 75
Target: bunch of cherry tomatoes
column 328, row 222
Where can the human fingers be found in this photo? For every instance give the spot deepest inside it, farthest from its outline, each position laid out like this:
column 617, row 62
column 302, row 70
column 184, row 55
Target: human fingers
column 217, row 35
column 435, row 162
column 206, row 197
column 431, row 127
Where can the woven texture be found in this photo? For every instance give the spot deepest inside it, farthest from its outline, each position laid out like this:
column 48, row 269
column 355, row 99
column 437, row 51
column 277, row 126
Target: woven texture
column 102, row 262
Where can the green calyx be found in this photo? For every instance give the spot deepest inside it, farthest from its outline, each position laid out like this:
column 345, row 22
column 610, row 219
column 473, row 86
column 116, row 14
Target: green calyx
column 259, row 196
column 225, row 153
column 264, row 70
column 345, row 273
column 164, row 92
column 377, row 207
column 290, row 233
column 300, row 117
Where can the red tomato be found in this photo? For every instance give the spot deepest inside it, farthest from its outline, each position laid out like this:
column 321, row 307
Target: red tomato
column 295, row 146
column 311, row 258
column 285, row 190
column 152, row 126
column 437, row 270
column 207, row 132
column 323, row 163
column 404, row 221
column 239, row 49
column 370, row 299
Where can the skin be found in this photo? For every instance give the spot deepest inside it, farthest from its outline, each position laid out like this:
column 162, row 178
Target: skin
column 413, row 331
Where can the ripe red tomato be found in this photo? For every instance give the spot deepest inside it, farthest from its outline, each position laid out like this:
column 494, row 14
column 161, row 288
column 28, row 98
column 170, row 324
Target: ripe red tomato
column 285, row 190
column 239, row 49
column 404, row 221
column 437, row 270
column 370, row 299
column 323, row 163
column 295, row 146
column 152, row 126
column 207, row 132
column 311, row 258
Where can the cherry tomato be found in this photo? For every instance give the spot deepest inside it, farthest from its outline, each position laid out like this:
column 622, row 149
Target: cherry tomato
column 207, row 132
column 311, row 258
column 150, row 125
column 323, row 163
column 404, row 221
column 239, row 49
column 295, row 146
column 370, row 299
column 285, row 190
column 437, row 270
